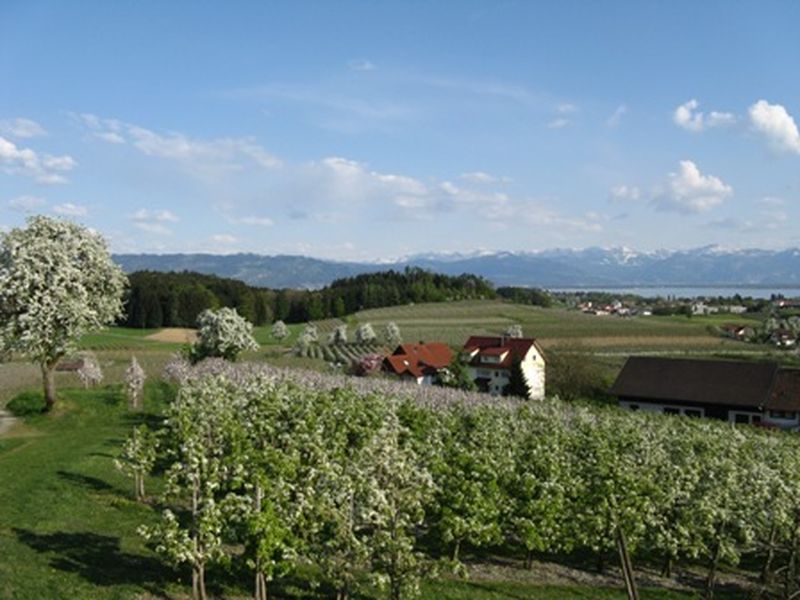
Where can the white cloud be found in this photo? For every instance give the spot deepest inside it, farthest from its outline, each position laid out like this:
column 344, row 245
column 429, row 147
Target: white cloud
column 689, row 191
column 253, row 220
column 68, row 209
column 21, row 128
column 776, row 124
column 360, row 64
column 688, row 117
column 482, row 178
column 224, row 238
column 559, row 123
column 153, row 221
column 771, row 201
column 24, row 161
column 622, row 193
column 616, row 117
column 209, row 157
column 26, row 203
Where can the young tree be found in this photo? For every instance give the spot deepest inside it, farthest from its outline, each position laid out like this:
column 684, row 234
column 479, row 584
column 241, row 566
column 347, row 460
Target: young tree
column 517, row 383
column 365, row 334
column 57, row 283
column 90, row 372
column 138, row 457
column 513, row 331
column 134, row 382
column 391, row 334
column 338, row 336
column 280, row 330
column 223, row 333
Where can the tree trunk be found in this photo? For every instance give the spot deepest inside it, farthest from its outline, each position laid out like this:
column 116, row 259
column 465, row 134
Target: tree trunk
column 201, row 574
column 529, row 559
column 666, row 570
column 712, row 571
column 627, row 566
column 456, row 550
column 261, row 586
column 766, row 572
column 48, row 379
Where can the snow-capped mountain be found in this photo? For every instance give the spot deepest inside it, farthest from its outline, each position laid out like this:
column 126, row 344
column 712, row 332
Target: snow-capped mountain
column 706, row 266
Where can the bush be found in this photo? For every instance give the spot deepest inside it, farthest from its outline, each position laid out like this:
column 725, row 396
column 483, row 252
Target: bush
column 26, row 404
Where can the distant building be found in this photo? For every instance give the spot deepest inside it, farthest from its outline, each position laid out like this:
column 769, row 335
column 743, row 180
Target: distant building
column 419, row 362
column 734, row 391
column 490, row 359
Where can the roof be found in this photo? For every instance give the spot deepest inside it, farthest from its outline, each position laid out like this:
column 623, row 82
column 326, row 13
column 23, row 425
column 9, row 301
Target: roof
column 730, row 383
column 419, row 359
column 517, row 348
column 785, row 393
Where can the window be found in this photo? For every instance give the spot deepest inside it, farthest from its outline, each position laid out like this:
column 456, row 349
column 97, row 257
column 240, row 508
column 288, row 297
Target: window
column 671, row 411
column 693, row 412
column 783, row 414
column 634, row 407
column 741, row 418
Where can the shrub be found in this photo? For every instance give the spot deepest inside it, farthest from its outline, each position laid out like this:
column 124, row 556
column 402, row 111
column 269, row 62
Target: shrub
column 26, row 404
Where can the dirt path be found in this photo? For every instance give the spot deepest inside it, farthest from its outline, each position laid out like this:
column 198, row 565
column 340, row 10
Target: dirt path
column 178, row 335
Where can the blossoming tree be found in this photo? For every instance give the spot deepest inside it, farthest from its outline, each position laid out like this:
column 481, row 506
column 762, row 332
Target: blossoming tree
column 57, row 283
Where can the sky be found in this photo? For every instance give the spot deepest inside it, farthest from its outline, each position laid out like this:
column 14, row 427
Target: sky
column 375, row 130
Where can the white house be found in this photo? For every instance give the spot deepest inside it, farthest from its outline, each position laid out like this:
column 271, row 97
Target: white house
column 490, row 360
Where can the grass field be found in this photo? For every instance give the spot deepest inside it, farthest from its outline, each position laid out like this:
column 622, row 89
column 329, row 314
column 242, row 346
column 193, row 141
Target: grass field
column 67, row 521
column 453, row 323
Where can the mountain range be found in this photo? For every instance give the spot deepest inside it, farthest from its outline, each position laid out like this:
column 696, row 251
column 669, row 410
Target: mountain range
column 589, row 267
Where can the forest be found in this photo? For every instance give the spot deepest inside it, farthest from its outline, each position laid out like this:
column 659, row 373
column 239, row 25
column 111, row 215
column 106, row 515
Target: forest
column 175, row 299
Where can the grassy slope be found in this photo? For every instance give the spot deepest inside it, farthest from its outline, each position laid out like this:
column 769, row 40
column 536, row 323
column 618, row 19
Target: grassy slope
column 67, row 523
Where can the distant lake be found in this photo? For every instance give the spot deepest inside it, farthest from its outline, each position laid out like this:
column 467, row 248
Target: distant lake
column 687, row 291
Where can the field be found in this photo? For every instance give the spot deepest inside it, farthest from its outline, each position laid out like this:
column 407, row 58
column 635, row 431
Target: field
column 453, row 323
column 68, row 522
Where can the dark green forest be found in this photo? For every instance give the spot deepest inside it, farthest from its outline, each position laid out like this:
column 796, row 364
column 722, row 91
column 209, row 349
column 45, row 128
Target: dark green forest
column 158, row 299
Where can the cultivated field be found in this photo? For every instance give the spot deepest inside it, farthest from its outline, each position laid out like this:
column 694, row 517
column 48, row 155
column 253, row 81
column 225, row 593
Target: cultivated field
column 453, row 323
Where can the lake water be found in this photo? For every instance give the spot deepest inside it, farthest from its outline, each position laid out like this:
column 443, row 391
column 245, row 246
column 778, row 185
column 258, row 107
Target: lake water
column 689, row 292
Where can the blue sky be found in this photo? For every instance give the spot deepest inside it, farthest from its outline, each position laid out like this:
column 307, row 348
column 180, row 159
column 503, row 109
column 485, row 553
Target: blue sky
column 371, row 130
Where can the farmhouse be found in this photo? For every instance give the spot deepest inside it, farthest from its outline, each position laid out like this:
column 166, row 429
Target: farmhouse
column 419, row 362
column 490, row 359
column 734, row 391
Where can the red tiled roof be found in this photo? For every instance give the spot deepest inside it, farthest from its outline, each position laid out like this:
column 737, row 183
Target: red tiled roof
column 419, row 359
column 517, row 348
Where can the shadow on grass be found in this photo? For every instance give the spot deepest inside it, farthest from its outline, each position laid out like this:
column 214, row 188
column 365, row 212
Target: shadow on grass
column 99, row 560
column 86, row 481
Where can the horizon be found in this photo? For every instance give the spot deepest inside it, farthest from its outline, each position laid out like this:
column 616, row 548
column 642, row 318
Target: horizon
column 446, row 128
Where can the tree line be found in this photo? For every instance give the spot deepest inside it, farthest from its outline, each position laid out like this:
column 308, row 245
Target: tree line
column 157, row 299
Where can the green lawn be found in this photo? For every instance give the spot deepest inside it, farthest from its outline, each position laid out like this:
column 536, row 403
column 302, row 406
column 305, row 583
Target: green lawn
column 67, row 520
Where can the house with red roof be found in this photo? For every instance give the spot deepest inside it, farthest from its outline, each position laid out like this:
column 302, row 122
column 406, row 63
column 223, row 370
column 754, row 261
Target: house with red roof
column 419, row 362
column 490, row 360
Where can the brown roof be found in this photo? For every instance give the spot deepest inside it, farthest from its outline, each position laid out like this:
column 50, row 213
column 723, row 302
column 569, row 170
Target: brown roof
column 732, row 383
column 419, row 359
column 517, row 348
column 785, row 394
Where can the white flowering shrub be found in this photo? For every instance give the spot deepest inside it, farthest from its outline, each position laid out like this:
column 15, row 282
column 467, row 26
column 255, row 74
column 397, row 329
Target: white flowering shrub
column 365, row 334
column 279, row 330
column 134, row 383
column 223, row 333
column 513, row 331
column 90, row 372
column 338, row 336
column 391, row 334
column 57, row 283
